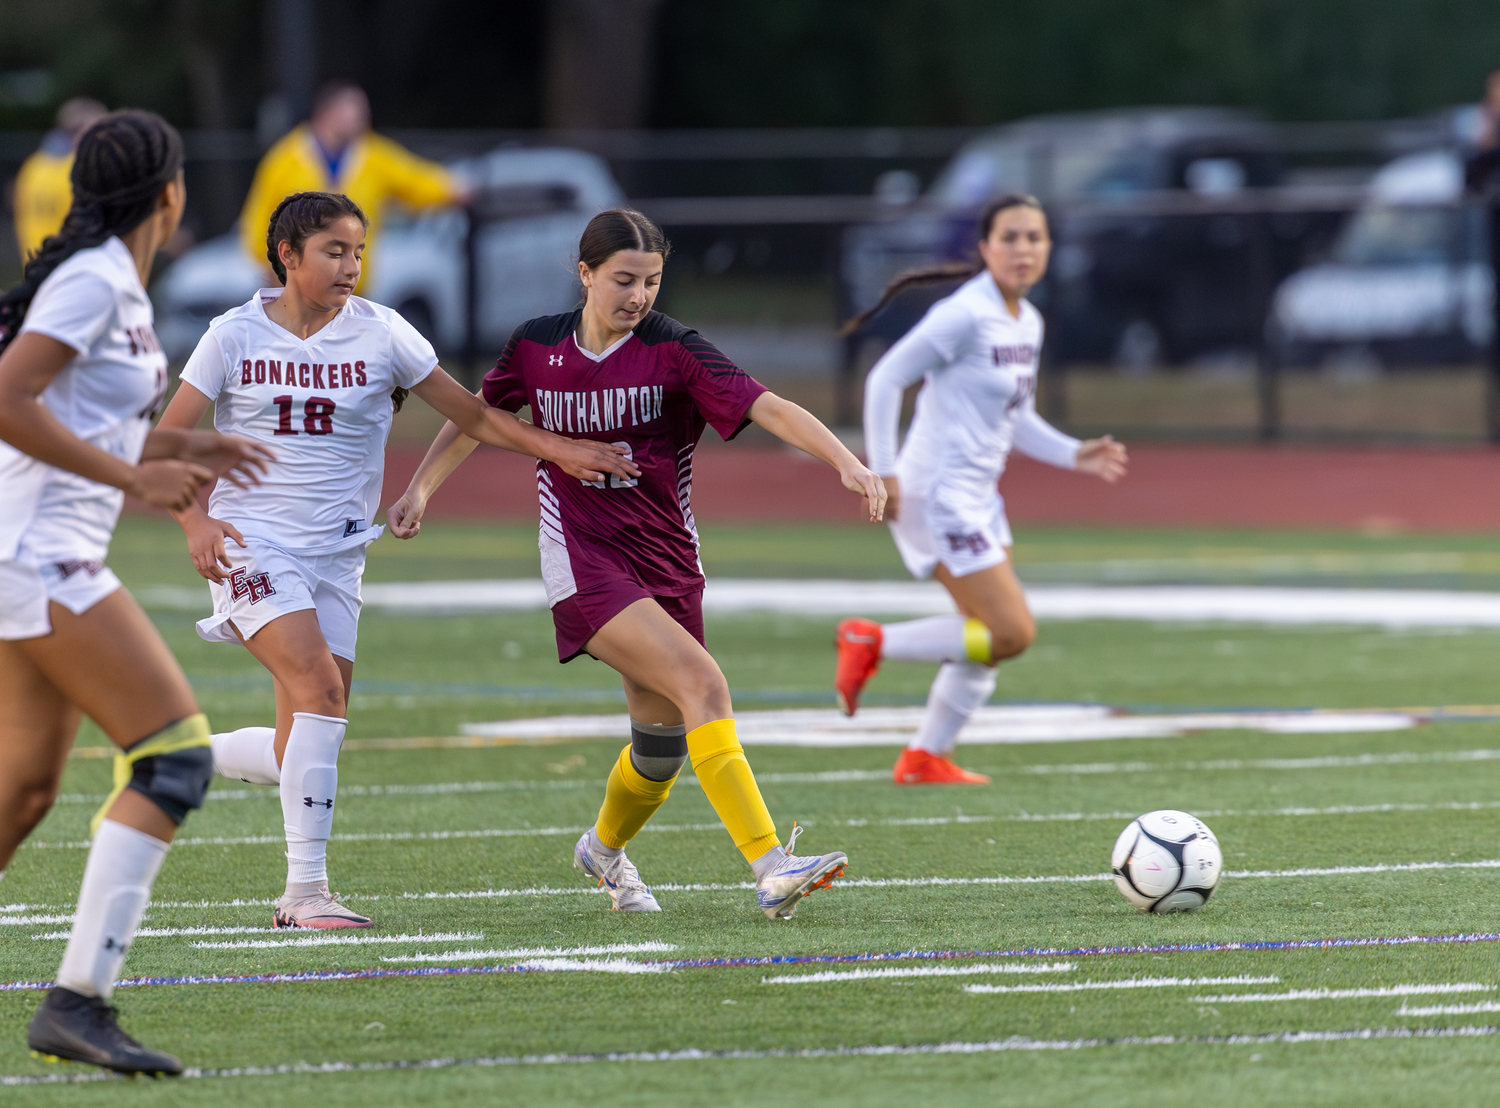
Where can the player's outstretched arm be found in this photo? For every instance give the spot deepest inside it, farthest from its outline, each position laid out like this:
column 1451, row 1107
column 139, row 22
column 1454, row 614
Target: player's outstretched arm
column 798, row 427
column 29, row 365
column 445, row 455
column 582, row 458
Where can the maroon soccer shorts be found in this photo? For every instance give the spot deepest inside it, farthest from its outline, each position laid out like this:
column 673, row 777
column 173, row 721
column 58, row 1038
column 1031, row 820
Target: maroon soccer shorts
column 579, row 617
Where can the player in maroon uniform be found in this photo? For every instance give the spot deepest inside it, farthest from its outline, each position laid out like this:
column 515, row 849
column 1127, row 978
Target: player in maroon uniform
column 620, row 557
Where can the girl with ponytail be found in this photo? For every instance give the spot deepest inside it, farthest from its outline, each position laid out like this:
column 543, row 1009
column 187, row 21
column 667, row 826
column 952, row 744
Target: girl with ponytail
column 81, row 376
column 975, row 353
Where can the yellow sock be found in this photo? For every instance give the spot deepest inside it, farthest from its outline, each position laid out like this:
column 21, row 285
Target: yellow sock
column 629, row 801
column 719, row 761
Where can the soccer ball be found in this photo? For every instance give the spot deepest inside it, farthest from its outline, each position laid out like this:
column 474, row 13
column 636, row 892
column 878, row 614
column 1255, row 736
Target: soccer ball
column 1167, row 861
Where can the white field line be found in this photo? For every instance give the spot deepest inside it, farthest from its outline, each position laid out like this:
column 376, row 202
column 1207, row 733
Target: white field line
column 167, row 932
column 1449, row 1009
column 18, row 921
column 843, row 883
column 856, row 776
column 341, row 940
column 998, row 723
column 608, row 965
column 1155, row 604
column 531, row 952
column 919, row 971
column 1126, row 983
column 1332, row 761
column 884, row 1050
column 1348, row 994
column 909, row 821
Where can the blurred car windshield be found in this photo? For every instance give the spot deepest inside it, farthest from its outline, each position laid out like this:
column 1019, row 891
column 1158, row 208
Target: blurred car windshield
column 1057, row 170
column 1404, row 235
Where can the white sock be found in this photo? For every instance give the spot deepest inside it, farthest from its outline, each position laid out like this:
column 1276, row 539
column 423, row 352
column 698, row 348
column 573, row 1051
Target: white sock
column 608, row 853
column 248, row 754
column 122, row 866
column 309, row 782
column 934, row 639
column 958, row 689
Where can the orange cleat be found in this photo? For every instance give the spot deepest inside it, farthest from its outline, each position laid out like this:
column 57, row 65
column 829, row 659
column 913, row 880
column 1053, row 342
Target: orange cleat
column 858, row 642
column 920, row 767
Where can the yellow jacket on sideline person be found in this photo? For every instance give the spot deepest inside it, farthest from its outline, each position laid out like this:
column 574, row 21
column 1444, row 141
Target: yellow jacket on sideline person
column 44, row 193
column 371, row 171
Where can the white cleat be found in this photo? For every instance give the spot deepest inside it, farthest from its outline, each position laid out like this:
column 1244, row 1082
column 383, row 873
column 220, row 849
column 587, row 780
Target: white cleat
column 781, row 890
column 619, row 877
column 319, row 910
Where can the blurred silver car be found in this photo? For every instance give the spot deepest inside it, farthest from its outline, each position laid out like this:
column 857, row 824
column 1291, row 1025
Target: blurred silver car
column 1408, row 282
column 529, row 209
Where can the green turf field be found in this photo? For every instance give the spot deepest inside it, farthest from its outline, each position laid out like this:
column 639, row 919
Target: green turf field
column 461, row 855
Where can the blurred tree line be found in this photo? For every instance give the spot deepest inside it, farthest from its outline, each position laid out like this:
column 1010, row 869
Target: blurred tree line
column 708, row 63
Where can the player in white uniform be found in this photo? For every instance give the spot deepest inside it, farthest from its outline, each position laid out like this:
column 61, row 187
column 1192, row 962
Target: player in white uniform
column 975, row 354
column 315, row 373
column 81, row 376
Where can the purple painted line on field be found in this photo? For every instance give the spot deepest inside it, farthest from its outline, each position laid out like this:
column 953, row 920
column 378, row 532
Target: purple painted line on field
column 797, row 960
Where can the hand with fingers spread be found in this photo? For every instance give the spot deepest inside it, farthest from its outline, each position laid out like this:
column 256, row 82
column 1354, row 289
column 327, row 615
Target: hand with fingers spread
column 404, row 517
column 205, row 536
column 1104, row 458
column 591, row 461
column 239, row 460
column 860, row 479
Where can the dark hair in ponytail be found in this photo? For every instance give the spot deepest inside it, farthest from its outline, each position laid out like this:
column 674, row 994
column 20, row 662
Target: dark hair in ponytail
column 122, row 164
column 299, row 217
column 951, row 271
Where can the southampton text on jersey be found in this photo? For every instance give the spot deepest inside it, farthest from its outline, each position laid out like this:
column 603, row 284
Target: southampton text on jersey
column 597, row 409
column 308, row 375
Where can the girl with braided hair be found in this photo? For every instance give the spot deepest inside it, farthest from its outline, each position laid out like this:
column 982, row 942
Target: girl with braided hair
column 314, row 372
column 81, row 376
column 975, row 354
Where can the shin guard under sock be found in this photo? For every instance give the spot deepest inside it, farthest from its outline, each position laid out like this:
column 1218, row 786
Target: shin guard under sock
column 936, row 639
column 309, row 783
column 629, row 801
column 958, row 690
column 122, row 866
column 719, row 761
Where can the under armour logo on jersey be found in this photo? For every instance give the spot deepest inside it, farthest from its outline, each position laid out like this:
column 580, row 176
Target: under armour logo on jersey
column 309, row 802
column 257, row 587
column 554, row 359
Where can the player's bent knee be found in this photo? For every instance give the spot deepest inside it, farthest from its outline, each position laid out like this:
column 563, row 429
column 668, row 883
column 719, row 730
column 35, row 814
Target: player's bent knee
column 32, row 801
column 176, row 782
column 1011, row 638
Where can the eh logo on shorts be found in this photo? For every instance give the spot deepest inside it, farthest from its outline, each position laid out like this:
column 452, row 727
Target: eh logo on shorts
column 256, row 586
column 974, row 544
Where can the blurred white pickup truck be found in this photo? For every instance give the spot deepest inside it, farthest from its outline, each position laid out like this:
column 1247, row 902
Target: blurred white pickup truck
column 1408, row 282
column 532, row 204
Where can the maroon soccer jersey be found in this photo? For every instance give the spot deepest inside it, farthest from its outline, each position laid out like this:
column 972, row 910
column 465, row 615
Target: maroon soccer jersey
column 652, row 392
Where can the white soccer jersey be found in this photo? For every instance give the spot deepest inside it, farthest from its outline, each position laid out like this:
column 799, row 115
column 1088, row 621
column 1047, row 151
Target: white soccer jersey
column 106, row 395
column 323, row 406
column 978, row 365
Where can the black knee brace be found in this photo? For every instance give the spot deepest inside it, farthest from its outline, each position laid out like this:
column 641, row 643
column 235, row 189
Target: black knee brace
column 176, row 782
column 657, row 750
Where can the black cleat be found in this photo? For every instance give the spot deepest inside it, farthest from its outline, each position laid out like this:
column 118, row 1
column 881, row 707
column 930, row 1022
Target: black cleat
column 70, row 1027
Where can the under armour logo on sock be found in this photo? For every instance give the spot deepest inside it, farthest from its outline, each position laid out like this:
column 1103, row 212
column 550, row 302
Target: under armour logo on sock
column 309, row 802
column 110, row 943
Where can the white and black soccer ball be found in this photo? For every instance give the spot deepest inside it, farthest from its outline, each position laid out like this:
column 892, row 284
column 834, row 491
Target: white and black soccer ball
column 1167, row 861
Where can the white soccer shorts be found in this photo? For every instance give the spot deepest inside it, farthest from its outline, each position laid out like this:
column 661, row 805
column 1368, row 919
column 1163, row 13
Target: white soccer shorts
column 928, row 532
column 266, row 582
column 27, row 586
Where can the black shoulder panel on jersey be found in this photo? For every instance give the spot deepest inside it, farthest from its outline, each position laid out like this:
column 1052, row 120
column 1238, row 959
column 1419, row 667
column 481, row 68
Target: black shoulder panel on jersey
column 656, row 329
column 549, row 330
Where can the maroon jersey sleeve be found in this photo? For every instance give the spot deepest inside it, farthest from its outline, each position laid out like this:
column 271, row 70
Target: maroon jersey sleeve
column 503, row 387
column 721, row 390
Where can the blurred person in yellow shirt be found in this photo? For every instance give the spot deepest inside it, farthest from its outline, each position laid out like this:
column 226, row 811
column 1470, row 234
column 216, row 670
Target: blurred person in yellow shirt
column 44, row 191
column 335, row 151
